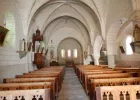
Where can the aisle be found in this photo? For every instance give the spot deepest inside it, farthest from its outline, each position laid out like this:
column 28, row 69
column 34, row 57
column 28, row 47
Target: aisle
column 71, row 87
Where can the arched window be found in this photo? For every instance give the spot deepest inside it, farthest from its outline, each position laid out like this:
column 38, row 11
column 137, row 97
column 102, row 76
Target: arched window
column 75, row 53
column 9, row 22
column 128, row 47
column 63, row 53
column 69, row 53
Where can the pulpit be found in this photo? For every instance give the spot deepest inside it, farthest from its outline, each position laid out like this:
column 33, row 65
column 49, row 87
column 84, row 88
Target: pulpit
column 39, row 60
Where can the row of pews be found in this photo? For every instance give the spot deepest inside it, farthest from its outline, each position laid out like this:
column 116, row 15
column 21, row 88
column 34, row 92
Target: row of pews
column 103, row 83
column 43, row 84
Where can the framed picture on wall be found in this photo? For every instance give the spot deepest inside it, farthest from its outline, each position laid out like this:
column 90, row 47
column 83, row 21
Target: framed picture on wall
column 3, row 34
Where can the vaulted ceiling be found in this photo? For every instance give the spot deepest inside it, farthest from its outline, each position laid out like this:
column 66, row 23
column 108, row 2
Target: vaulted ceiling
column 85, row 18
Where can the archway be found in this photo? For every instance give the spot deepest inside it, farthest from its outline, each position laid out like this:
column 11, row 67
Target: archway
column 70, row 50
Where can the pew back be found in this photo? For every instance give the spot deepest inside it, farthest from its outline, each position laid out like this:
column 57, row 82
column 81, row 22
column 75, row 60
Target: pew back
column 129, row 92
column 37, row 94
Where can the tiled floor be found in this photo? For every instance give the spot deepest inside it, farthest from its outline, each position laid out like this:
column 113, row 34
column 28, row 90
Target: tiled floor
column 71, row 87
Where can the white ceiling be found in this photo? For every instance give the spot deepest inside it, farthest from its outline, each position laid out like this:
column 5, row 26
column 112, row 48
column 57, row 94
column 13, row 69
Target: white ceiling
column 93, row 17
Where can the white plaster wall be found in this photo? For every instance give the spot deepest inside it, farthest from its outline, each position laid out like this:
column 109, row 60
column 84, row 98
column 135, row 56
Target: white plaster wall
column 114, row 21
column 87, row 60
column 10, row 63
column 70, row 43
column 62, row 34
column 121, row 58
column 9, row 71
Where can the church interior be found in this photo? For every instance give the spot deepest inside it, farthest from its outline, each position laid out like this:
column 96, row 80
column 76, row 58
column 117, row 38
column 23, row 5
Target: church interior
column 70, row 50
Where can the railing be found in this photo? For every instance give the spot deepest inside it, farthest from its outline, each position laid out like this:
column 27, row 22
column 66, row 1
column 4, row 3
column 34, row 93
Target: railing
column 129, row 92
column 38, row 94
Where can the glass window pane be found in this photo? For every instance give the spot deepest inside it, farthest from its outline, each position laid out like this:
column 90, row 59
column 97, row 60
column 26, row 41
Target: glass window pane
column 63, row 53
column 75, row 53
column 69, row 53
column 128, row 47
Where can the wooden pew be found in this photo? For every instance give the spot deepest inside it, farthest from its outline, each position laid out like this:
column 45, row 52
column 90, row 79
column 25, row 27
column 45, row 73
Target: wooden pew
column 128, row 69
column 80, row 67
column 46, row 78
column 103, row 76
column 110, row 82
column 94, row 70
column 82, row 71
column 42, row 76
column 31, row 80
column 129, row 92
column 58, row 70
column 36, row 94
column 29, row 86
column 135, row 71
column 82, row 78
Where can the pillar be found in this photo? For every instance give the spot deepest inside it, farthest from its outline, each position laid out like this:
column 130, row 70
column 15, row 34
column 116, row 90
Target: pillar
column 96, row 61
column 111, row 61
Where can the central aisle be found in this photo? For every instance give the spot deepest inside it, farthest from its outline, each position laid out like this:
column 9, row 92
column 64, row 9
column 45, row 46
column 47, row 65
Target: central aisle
column 71, row 87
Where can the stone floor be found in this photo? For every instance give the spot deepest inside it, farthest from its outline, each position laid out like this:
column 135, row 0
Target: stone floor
column 71, row 87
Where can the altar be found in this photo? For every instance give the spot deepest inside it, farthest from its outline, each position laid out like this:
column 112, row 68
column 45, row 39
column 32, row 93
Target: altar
column 69, row 62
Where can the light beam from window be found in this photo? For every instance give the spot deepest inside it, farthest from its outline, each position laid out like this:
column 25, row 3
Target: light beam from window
column 69, row 53
column 63, row 53
column 128, row 47
column 75, row 53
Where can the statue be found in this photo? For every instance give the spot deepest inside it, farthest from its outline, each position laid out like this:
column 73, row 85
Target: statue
column 51, row 54
column 51, row 50
column 85, row 54
column 136, row 33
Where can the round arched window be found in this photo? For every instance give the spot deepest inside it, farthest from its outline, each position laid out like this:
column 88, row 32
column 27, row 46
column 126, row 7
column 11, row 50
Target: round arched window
column 63, row 53
column 69, row 53
column 75, row 53
column 129, row 50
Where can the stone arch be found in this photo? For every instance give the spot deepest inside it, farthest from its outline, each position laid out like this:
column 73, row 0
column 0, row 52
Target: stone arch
column 111, row 37
column 63, row 45
column 97, row 47
column 70, row 17
column 92, row 30
column 10, row 23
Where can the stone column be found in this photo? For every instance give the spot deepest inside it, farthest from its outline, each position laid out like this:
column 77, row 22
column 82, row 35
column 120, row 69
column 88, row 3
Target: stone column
column 111, row 61
column 96, row 61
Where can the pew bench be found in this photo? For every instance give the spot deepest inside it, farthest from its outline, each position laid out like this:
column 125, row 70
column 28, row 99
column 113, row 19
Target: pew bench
column 36, row 94
column 129, row 92
column 82, row 77
column 31, row 80
column 42, row 76
column 111, row 82
column 82, row 72
column 90, row 67
column 103, row 76
column 29, row 86
column 62, row 73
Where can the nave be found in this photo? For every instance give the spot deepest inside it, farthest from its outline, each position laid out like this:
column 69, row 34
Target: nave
column 62, row 83
column 71, row 87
